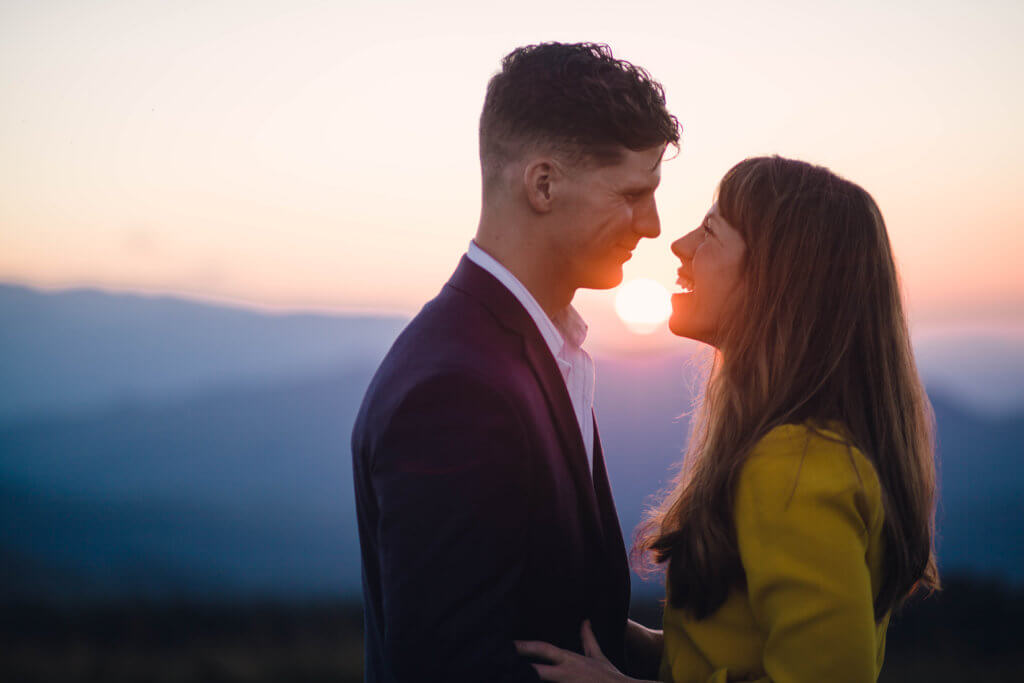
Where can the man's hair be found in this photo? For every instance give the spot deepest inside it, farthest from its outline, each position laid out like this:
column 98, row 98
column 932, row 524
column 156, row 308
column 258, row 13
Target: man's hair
column 576, row 100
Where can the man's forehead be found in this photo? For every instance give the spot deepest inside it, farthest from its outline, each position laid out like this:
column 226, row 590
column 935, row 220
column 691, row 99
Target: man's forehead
column 646, row 160
column 656, row 166
column 642, row 166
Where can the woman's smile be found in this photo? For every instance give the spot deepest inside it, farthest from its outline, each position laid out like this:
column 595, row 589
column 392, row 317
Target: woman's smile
column 710, row 258
column 685, row 281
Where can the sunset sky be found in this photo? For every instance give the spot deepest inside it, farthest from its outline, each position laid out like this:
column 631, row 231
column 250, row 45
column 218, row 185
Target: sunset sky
column 322, row 155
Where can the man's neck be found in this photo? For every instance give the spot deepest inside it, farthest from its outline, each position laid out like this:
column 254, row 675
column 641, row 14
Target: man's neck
column 539, row 278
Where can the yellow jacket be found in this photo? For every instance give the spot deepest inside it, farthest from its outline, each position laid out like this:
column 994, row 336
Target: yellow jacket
column 809, row 526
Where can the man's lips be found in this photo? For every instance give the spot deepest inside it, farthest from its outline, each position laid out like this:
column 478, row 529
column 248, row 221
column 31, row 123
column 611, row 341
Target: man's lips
column 627, row 250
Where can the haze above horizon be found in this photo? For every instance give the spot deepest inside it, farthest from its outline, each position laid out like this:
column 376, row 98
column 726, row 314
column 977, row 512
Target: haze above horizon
column 323, row 156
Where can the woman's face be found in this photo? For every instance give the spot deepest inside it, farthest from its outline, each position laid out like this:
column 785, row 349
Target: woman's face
column 711, row 256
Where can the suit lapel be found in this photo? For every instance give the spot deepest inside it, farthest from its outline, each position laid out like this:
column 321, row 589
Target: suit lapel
column 606, row 503
column 616, row 580
column 560, row 405
column 478, row 283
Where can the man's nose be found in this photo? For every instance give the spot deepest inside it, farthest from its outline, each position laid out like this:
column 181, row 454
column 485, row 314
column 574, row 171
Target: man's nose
column 645, row 219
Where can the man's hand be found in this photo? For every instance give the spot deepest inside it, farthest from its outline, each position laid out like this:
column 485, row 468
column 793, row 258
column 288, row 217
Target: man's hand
column 569, row 667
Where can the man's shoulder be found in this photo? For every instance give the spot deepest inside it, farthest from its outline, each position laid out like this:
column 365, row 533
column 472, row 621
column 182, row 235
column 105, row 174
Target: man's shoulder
column 453, row 336
column 453, row 330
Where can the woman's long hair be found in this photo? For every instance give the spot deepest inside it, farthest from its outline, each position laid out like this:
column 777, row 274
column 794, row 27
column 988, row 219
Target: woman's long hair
column 816, row 334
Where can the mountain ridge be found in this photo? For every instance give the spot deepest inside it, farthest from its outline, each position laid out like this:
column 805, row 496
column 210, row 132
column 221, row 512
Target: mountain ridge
column 237, row 483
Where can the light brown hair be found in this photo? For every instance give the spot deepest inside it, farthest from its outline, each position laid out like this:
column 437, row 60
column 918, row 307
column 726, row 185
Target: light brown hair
column 817, row 335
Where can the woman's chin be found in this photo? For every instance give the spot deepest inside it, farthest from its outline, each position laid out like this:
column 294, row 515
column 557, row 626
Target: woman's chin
column 683, row 322
column 680, row 329
column 679, row 323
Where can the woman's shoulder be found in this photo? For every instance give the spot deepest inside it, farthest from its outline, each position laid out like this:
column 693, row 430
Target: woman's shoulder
column 822, row 446
column 810, row 462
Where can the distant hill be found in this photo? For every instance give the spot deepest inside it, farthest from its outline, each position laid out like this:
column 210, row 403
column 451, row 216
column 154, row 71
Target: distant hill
column 237, row 482
column 244, row 491
column 249, row 492
column 83, row 350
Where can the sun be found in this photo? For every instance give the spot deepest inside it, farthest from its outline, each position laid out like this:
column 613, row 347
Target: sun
column 643, row 305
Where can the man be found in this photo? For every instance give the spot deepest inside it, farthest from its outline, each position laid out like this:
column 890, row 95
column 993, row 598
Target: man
column 484, row 509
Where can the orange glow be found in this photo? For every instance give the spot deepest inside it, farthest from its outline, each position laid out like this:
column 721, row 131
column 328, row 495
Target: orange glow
column 166, row 148
column 642, row 305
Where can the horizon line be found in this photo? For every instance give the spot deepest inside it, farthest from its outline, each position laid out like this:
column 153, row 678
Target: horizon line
column 1004, row 315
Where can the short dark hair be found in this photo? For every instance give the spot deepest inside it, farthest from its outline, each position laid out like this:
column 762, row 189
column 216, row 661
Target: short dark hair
column 575, row 98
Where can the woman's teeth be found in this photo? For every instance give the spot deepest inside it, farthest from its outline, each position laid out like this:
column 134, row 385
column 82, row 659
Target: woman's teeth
column 686, row 283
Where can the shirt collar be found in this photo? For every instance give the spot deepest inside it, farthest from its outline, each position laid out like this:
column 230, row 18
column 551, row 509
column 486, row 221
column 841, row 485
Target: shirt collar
column 572, row 326
column 567, row 325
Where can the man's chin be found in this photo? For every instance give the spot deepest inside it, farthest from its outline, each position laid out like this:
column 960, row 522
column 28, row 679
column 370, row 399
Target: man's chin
column 608, row 280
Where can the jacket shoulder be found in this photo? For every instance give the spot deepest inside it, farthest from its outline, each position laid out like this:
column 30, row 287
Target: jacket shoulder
column 452, row 332
column 454, row 338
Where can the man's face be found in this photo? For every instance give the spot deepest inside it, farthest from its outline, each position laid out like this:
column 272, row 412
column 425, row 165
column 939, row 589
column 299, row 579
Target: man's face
column 603, row 213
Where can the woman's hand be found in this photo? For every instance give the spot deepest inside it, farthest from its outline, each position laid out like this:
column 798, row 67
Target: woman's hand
column 569, row 667
column 643, row 649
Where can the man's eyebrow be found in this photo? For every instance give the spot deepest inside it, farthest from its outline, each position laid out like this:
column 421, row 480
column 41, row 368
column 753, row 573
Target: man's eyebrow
column 660, row 158
column 640, row 189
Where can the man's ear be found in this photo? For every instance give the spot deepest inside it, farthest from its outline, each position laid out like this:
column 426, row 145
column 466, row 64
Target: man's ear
column 539, row 175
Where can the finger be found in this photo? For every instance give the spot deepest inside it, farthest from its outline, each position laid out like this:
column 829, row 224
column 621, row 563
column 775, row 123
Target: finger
column 542, row 650
column 548, row 673
column 590, row 646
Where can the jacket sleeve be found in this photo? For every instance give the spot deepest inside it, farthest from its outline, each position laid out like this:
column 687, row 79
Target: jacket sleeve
column 451, row 475
column 803, row 521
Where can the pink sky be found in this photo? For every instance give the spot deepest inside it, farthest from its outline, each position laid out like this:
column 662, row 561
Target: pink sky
column 310, row 155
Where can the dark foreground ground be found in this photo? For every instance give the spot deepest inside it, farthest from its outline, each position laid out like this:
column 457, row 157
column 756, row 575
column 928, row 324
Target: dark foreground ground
column 972, row 631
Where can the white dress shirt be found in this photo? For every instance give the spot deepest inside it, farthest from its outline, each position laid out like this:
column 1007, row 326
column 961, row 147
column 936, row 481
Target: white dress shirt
column 564, row 335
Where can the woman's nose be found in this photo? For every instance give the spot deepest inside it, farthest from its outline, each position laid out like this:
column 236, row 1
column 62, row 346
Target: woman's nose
column 683, row 247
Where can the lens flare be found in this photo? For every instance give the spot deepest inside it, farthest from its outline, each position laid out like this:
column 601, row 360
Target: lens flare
column 643, row 305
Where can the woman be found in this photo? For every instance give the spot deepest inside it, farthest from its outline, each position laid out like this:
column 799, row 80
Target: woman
column 805, row 509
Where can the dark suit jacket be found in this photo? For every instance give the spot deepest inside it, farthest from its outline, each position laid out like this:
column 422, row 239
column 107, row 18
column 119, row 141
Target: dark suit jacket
column 479, row 522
